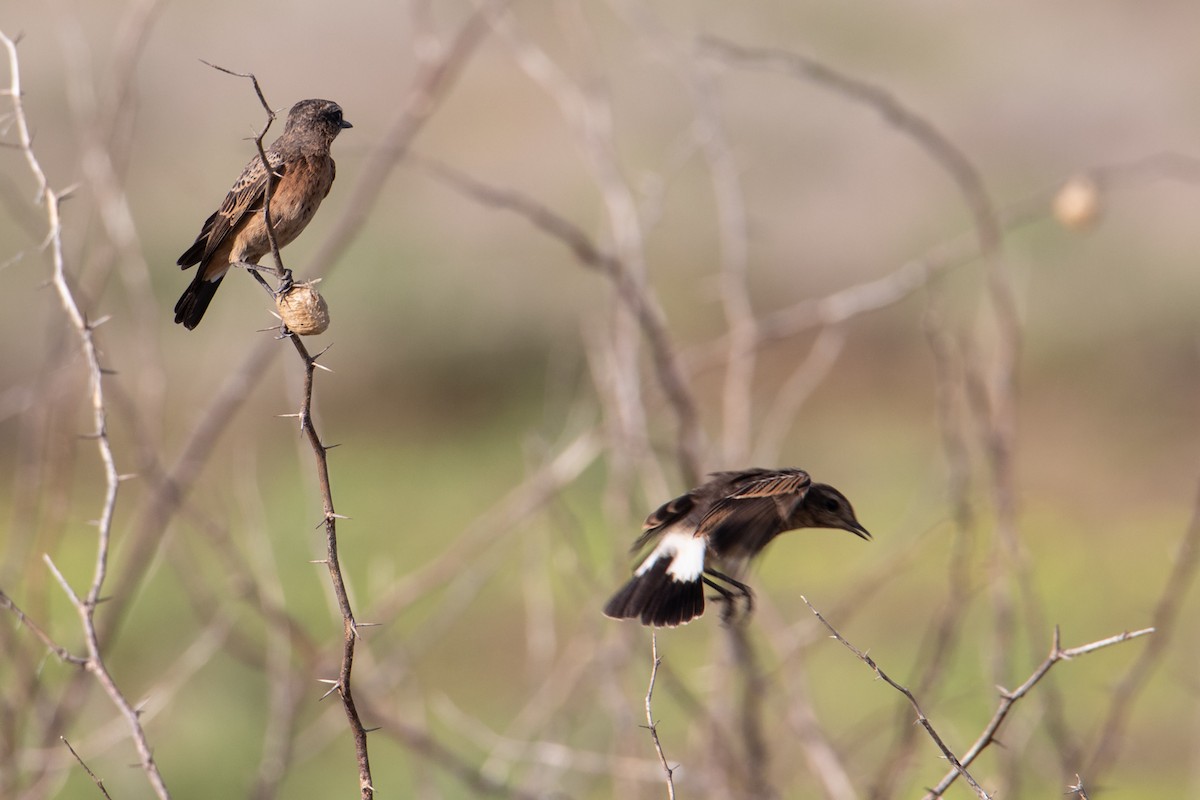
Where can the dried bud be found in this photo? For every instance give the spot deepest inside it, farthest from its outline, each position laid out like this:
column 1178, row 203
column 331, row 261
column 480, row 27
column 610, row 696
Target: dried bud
column 1077, row 204
column 303, row 309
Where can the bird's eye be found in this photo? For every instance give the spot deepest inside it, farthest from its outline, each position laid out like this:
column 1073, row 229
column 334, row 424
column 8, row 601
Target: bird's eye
column 830, row 504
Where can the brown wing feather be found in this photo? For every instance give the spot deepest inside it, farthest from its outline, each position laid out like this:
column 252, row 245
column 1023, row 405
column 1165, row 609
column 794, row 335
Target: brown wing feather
column 664, row 516
column 771, row 484
column 244, row 198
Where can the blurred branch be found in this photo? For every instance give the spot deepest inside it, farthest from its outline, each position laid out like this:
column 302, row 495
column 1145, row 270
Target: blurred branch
column 1009, row 699
column 944, row 632
column 85, row 607
column 712, row 140
column 637, row 296
column 1164, row 619
column 960, row 767
column 590, row 118
column 438, row 69
column 819, row 752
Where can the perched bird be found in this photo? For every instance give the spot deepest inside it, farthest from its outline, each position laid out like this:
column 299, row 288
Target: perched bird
column 725, row 521
column 236, row 232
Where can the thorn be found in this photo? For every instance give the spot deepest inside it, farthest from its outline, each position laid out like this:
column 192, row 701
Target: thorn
column 287, row 416
column 337, row 687
column 331, row 446
column 319, row 561
column 319, row 366
column 372, row 730
column 127, row 476
column 338, row 516
column 323, row 351
column 367, row 624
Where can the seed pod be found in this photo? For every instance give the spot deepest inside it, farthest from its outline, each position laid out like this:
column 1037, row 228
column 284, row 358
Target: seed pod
column 1077, row 204
column 303, row 309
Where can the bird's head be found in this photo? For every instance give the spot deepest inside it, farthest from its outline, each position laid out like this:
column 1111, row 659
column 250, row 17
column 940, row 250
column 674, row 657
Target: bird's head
column 826, row 507
column 322, row 116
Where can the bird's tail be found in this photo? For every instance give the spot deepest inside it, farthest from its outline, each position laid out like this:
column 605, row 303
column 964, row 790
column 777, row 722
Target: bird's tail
column 657, row 597
column 194, row 302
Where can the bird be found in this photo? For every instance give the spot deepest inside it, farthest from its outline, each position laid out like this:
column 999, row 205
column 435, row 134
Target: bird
column 724, row 522
column 236, row 233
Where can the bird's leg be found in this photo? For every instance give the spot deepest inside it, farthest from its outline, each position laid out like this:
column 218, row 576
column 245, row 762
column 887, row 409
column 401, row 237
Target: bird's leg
column 729, row 597
column 725, row 596
column 254, row 270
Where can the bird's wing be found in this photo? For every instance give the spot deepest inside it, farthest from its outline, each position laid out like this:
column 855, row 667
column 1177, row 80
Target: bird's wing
column 665, row 516
column 244, row 198
column 754, row 510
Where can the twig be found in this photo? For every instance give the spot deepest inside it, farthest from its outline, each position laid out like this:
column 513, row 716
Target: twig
column 651, row 725
column 960, row 768
column 269, row 189
column 85, row 607
column 1009, row 699
column 63, row 653
column 95, row 779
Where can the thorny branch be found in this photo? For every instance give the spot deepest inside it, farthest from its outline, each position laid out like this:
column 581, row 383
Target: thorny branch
column 320, row 452
column 651, row 725
column 85, row 606
column 1009, row 699
column 959, row 767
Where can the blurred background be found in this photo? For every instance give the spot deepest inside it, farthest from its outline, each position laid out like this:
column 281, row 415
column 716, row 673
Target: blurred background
column 1005, row 389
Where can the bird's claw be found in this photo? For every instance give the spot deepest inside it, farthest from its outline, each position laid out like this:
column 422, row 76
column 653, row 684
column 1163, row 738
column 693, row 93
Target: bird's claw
column 285, row 283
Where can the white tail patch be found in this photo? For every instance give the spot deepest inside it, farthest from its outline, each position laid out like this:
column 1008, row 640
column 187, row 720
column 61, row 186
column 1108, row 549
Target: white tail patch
column 686, row 552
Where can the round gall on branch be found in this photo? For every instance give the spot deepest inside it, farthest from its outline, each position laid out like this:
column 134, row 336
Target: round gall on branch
column 303, row 309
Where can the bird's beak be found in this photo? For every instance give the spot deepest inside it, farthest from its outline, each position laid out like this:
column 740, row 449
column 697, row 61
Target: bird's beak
column 859, row 530
column 346, row 124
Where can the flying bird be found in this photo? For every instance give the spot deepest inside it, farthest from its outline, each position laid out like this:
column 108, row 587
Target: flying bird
column 721, row 523
column 236, row 233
